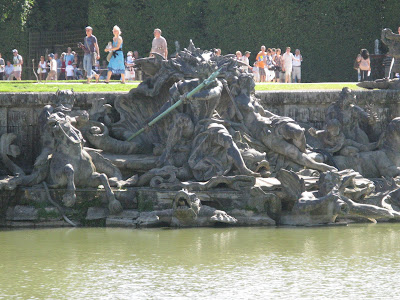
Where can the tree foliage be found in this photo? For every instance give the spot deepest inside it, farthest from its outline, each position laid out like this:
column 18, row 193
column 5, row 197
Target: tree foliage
column 13, row 18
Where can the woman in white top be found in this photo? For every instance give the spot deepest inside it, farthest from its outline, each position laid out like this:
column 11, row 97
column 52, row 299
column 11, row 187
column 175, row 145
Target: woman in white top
column 365, row 65
column 42, row 68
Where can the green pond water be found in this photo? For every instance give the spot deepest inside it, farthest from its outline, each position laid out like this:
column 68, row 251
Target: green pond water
column 357, row 262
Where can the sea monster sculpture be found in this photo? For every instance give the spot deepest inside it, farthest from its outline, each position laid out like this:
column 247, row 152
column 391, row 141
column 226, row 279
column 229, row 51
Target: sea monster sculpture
column 186, row 211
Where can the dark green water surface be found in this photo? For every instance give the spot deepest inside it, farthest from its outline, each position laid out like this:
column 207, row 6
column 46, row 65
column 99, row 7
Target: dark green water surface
column 357, row 262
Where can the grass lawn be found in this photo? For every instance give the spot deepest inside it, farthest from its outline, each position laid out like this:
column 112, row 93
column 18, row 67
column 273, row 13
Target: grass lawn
column 52, row 86
column 116, row 86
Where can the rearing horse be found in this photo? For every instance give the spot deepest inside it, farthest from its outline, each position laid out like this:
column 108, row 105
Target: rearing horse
column 70, row 164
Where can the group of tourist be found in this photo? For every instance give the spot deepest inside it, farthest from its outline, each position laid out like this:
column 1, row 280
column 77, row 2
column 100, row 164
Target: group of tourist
column 271, row 66
column 69, row 66
column 65, row 67
column 117, row 65
column 8, row 70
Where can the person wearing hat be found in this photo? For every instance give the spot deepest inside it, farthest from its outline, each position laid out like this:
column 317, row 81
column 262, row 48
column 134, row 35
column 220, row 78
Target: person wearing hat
column 90, row 46
column 17, row 63
column 53, row 68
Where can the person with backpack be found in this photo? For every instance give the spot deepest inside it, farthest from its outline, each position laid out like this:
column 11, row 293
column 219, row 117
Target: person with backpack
column 365, row 65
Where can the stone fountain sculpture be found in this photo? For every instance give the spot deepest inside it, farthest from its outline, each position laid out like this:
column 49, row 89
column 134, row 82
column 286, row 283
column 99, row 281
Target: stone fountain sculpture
column 392, row 41
column 186, row 211
column 238, row 163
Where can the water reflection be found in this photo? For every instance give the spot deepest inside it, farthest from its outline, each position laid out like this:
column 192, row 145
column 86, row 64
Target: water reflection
column 330, row 262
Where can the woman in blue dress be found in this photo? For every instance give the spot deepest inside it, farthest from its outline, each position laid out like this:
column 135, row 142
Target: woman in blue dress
column 117, row 63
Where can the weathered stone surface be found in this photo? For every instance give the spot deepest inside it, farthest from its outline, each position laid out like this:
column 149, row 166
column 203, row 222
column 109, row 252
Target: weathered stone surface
column 50, row 214
column 126, row 214
column 96, row 213
column 250, row 218
column 51, row 224
column 22, row 213
column 120, row 222
column 20, row 224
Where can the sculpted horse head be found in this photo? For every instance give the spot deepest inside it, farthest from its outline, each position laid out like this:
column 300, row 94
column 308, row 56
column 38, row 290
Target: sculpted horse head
column 65, row 135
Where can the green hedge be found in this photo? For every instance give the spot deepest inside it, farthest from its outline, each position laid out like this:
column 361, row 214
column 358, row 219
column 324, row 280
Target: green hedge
column 329, row 33
column 56, row 15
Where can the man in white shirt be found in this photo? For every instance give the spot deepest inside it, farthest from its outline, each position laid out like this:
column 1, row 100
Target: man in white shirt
column 159, row 44
column 296, row 73
column 287, row 58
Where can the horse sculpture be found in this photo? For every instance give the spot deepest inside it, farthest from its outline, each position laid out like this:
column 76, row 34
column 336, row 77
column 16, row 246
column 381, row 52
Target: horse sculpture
column 70, row 164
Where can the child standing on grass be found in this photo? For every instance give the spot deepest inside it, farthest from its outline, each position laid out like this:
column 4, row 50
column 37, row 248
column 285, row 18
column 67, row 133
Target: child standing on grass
column 69, row 69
